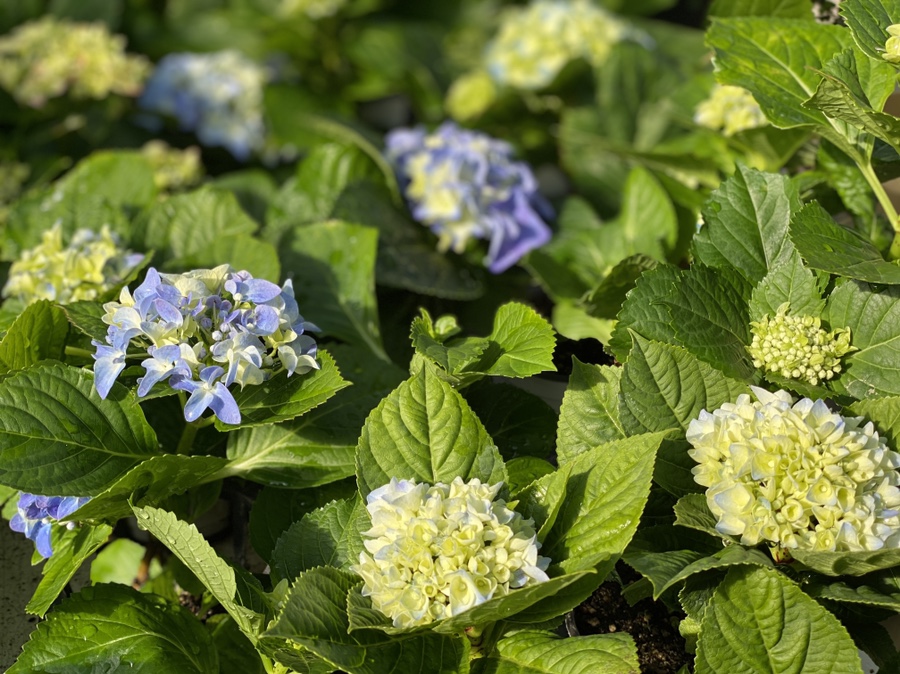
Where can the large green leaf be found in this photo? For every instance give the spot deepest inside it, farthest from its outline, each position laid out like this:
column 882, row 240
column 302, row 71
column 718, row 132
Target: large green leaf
column 848, row 563
column 123, row 178
column 283, row 398
column 196, row 554
column 589, row 415
column 39, row 333
column 535, row 652
column 826, row 245
column 328, row 536
column 149, row 483
column 520, row 423
column 789, row 282
column 759, row 621
column 692, row 512
column 660, row 552
column 315, row 617
column 87, row 317
column 776, row 60
column 70, row 550
column 871, row 590
column 333, row 266
column 111, row 627
column 58, row 437
column 874, row 321
column 665, row 387
column 788, row 9
column 607, row 490
column 607, row 297
column 425, row 431
column 868, row 21
column 746, row 224
column 884, row 413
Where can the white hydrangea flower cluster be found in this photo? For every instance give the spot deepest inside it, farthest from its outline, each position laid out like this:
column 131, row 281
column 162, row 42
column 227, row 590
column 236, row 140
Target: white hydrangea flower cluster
column 730, row 110
column 796, row 475
column 91, row 264
column 796, row 347
column 535, row 42
column 892, row 45
column 436, row 551
column 43, row 59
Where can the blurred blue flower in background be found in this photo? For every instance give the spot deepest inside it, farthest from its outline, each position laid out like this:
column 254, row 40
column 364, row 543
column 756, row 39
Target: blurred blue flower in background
column 465, row 185
column 36, row 515
column 219, row 96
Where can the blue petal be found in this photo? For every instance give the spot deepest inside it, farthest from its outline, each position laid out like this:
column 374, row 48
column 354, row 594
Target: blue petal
column 198, row 402
column 225, row 406
column 42, row 541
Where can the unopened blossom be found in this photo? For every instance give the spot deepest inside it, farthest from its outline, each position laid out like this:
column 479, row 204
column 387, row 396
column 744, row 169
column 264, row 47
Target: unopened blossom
column 49, row 57
column 796, row 475
column 465, row 185
column 203, row 331
column 37, row 515
column 796, row 347
column 173, row 169
column 436, row 551
column 730, row 110
column 91, row 264
column 218, row 96
column 535, row 42
column 892, row 45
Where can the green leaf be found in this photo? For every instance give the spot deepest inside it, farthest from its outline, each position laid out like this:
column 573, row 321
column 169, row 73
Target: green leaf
column 117, row 562
column 874, row 321
column 454, row 355
column 283, row 398
column 535, row 652
column 198, row 556
column 759, row 621
column 691, row 511
column 149, row 483
column 333, row 265
column 243, row 252
column 524, row 470
column 425, row 431
column 733, row 555
column 871, row 591
column 315, row 617
column 868, row 21
column 87, row 317
column 665, row 387
column 108, row 627
column 842, row 95
column 39, row 333
column 848, row 563
column 788, row 9
column 776, row 60
column 703, row 310
column 236, row 651
column 542, row 499
column 673, row 468
column 48, row 410
column 659, row 553
column 606, row 299
column 746, row 224
column 275, row 510
column 329, row 536
column 124, row 179
column 589, row 415
column 70, row 550
column 254, row 189
column 520, row 423
column 789, row 282
column 884, row 413
column 607, row 490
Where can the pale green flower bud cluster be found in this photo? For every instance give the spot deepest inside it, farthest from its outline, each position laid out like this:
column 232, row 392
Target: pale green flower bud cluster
column 796, row 475
column 730, row 110
column 796, row 347
column 46, row 58
column 314, row 9
column 173, row 169
column 92, row 263
column 892, row 46
column 535, row 43
column 436, row 551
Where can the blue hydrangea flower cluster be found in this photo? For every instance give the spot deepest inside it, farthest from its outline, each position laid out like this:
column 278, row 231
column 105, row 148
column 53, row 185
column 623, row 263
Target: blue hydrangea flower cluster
column 36, row 516
column 203, row 331
column 219, row 96
column 464, row 184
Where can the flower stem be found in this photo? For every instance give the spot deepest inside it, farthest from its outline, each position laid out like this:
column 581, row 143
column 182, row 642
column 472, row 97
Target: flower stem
column 78, row 352
column 885, row 201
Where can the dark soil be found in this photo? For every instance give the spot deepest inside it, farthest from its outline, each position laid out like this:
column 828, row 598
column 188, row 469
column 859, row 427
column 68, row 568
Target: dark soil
column 650, row 623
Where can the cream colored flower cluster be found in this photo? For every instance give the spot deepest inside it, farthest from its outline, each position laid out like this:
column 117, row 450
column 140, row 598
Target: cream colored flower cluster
column 796, row 347
column 892, row 45
column 173, row 169
column 45, row 58
column 90, row 265
column 436, row 551
column 796, row 475
column 730, row 110
column 535, row 42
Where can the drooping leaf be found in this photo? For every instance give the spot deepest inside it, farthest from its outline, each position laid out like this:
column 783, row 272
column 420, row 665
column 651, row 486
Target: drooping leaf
column 425, row 431
column 660, row 552
column 39, row 333
column 107, row 627
column 589, row 415
column 759, row 621
column 49, row 409
column 665, row 387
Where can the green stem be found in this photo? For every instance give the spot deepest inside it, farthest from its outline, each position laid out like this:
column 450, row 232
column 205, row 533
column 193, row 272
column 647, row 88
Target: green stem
column 888, row 207
column 80, row 353
column 187, row 438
